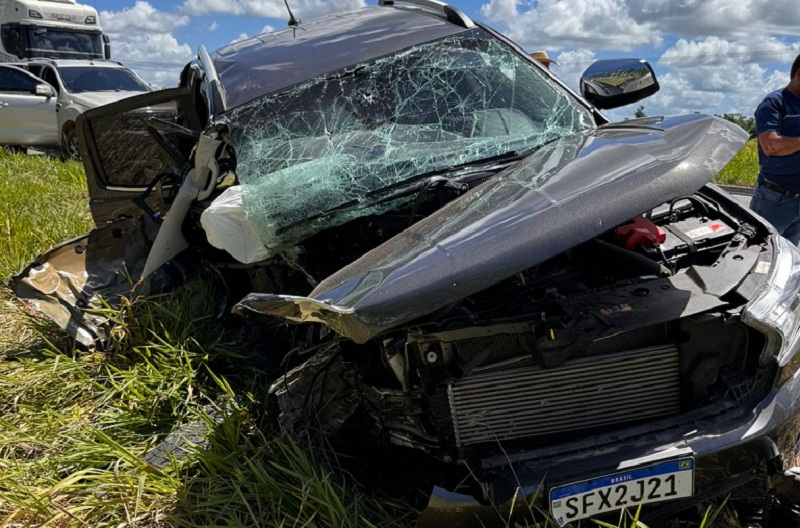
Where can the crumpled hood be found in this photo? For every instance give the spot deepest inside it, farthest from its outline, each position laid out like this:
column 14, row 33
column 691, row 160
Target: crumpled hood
column 564, row 194
column 94, row 99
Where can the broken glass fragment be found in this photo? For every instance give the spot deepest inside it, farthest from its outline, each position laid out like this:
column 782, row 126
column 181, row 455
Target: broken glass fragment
column 318, row 154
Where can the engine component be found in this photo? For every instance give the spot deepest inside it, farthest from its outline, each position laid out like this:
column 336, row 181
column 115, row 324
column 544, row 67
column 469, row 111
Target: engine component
column 581, row 394
column 694, row 232
column 641, row 232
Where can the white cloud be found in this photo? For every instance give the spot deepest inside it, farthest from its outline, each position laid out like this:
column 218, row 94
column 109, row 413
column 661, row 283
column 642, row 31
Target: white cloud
column 572, row 64
column 214, row 26
column 141, row 17
column 730, row 18
column 564, row 24
column 715, row 51
column 716, row 75
column 141, row 37
column 776, row 79
column 269, row 8
column 678, row 96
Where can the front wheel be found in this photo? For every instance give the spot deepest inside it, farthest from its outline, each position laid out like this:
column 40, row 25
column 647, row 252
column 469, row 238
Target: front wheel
column 69, row 143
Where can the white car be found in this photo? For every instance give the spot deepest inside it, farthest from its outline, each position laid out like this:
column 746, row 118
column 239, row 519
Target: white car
column 79, row 85
column 27, row 109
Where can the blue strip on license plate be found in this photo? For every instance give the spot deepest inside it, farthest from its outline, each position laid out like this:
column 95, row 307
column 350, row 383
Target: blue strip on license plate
column 669, row 480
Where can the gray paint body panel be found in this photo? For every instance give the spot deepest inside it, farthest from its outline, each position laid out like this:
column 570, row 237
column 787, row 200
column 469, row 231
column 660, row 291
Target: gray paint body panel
column 274, row 61
column 566, row 193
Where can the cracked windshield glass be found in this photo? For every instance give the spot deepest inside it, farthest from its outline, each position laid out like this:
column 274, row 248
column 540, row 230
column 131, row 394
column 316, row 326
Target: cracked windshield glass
column 352, row 143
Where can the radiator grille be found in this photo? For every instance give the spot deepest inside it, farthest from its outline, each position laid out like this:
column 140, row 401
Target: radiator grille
column 503, row 347
column 506, row 346
column 591, row 392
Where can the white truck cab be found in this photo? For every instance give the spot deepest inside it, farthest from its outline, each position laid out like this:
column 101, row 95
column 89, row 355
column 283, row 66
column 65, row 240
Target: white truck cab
column 57, row 29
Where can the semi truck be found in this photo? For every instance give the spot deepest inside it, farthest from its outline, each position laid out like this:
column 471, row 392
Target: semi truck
column 56, row 29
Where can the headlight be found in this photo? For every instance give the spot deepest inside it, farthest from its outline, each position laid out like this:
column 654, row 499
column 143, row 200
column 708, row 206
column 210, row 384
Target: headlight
column 776, row 310
column 34, row 14
column 91, row 20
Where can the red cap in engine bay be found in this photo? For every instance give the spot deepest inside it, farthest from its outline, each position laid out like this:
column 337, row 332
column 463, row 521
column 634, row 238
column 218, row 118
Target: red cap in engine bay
column 640, row 232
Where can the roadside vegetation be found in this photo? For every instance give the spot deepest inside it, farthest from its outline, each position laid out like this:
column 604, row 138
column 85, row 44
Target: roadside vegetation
column 78, row 428
column 743, row 169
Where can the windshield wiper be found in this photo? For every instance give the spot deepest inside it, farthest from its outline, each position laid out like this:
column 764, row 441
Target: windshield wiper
column 505, row 158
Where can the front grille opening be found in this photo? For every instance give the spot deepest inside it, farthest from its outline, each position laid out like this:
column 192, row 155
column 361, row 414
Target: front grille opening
column 652, row 374
column 504, row 347
column 586, row 393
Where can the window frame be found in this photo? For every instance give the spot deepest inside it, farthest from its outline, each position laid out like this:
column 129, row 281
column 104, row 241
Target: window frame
column 23, row 74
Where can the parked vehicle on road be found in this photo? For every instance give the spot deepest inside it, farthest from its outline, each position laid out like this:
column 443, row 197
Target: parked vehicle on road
column 61, row 29
column 79, row 85
column 463, row 262
column 27, row 109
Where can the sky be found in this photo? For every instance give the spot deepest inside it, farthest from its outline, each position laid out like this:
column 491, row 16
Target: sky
column 710, row 56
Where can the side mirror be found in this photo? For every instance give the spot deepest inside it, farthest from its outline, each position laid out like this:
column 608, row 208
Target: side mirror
column 618, row 82
column 44, row 90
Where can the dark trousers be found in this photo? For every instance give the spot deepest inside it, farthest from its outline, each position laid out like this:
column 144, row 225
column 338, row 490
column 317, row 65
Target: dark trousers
column 782, row 212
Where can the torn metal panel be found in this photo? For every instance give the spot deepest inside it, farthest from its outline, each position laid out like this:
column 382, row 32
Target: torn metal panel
column 301, row 310
column 66, row 282
column 563, row 194
column 329, row 403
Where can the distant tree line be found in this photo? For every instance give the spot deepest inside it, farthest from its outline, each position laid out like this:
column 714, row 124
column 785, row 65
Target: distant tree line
column 747, row 123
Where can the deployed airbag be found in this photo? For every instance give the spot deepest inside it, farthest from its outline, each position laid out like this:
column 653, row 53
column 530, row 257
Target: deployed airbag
column 228, row 227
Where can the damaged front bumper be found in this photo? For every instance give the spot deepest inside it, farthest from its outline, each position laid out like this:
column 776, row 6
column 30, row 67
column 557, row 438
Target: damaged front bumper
column 729, row 451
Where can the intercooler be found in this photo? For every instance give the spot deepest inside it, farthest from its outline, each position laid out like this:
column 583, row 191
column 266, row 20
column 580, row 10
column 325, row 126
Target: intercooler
column 526, row 400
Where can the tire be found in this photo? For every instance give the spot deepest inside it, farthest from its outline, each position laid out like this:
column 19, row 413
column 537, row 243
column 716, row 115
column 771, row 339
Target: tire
column 69, row 143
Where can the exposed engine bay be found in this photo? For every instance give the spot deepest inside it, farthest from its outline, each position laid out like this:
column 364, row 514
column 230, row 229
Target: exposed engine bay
column 638, row 325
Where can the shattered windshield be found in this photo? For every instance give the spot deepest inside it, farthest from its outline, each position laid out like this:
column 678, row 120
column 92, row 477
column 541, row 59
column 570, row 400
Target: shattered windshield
column 332, row 142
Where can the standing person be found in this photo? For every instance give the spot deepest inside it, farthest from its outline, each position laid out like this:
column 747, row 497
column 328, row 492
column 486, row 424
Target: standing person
column 777, row 194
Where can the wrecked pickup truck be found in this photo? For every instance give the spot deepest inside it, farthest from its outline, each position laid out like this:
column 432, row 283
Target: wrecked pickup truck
column 474, row 263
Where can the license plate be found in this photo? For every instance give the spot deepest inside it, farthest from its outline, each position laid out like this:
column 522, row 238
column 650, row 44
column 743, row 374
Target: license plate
column 661, row 482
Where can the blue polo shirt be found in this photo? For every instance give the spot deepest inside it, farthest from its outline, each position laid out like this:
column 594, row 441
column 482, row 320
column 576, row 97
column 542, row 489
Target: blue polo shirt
column 780, row 111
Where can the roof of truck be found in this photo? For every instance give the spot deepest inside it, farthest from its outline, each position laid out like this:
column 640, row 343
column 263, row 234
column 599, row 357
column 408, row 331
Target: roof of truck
column 68, row 63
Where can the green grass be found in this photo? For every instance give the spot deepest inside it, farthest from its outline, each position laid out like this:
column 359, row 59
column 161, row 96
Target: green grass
column 44, row 201
column 76, row 426
column 743, row 169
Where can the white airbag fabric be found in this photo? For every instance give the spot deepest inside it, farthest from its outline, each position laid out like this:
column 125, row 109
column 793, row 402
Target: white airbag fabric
column 227, row 227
